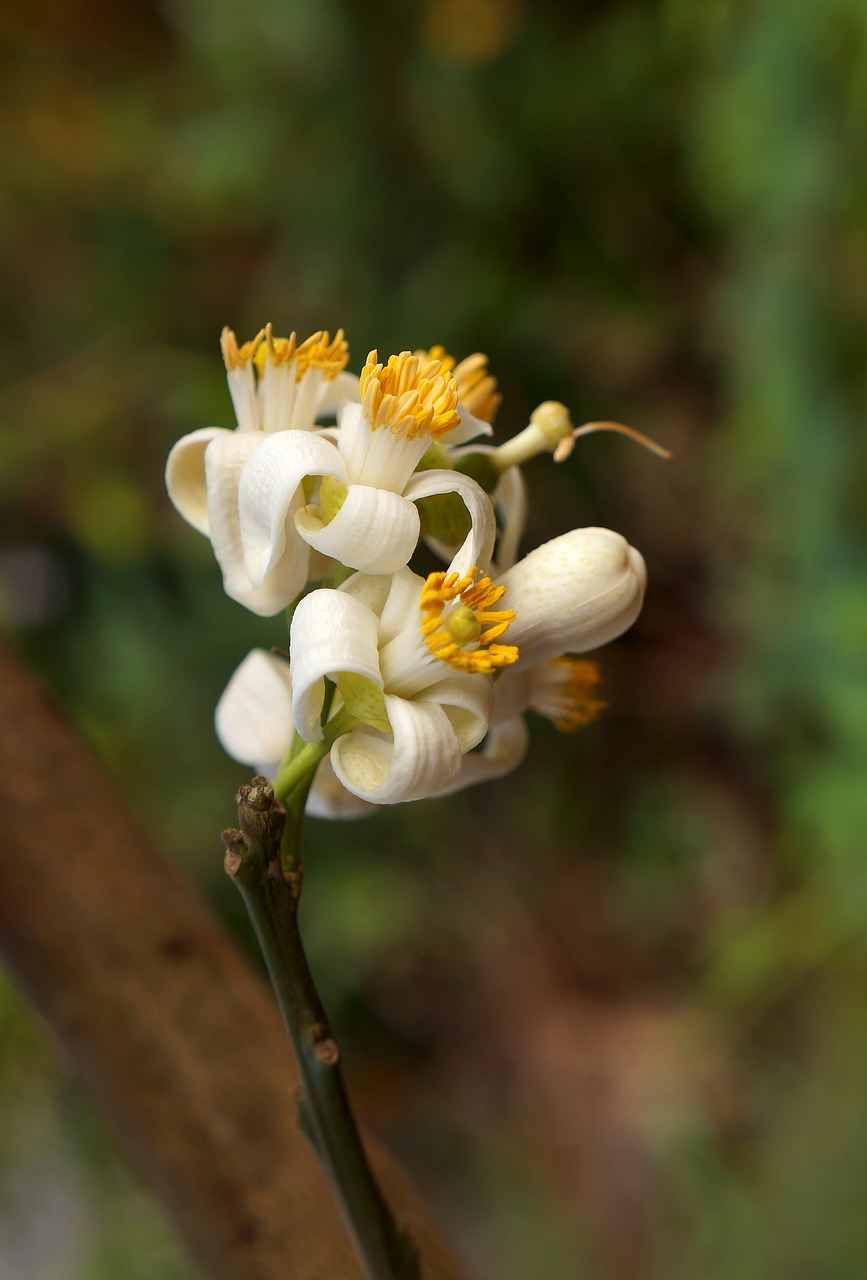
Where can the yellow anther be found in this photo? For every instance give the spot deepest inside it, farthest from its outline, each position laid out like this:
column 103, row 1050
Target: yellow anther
column 236, row 357
column 319, row 352
column 456, row 612
column 477, row 388
column 568, row 696
column 316, row 352
column 409, row 397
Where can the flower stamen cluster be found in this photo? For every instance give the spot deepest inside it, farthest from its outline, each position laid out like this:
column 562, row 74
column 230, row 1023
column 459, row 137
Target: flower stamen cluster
column 408, row 397
column 565, row 692
column 477, row 388
column 456, row 613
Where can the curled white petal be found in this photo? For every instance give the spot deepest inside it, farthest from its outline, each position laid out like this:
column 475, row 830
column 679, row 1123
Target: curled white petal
column 328, row 798
column 469, row 428
column 331, row 632
column 574, row 593
column 375, row 531
column 270, row 493
column 185, row 475
column 225, row 459
column 467, row 701
column 254, row 715
column 510, row 500
column 400, row 610
column 421, row 757
column 340, row 390
column 478, row 546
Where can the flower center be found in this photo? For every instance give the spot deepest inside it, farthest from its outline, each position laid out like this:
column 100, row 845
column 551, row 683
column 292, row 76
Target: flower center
column 566, row 693
column 409, row 397
column 477, row 389
column 456, row 614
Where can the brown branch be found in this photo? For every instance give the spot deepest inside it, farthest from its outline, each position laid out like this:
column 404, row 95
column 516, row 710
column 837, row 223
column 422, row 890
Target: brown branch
column 163, row 1017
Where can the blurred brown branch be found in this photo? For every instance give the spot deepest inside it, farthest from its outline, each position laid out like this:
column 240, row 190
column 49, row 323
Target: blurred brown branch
column 162, row 1016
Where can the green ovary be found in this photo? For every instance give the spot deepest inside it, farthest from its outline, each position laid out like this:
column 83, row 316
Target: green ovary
column 444, row 516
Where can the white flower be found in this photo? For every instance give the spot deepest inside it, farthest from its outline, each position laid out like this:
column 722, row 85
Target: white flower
column 276, row 384
column 571, row 595
column 413, row 660
column 365, row 515
column 385, row 641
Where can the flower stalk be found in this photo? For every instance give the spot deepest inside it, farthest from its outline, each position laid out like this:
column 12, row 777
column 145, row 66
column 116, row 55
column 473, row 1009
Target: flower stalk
column 271, row 887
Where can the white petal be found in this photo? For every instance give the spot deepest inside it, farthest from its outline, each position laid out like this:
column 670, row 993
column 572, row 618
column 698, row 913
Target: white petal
column 467, row 701
column 185, row 473
column 478, row 545
column 469, row 428
column 401, row 608
column 572, row 594
column 331, row 632
column 503, row 750
column 422, row 759
column 370, row 589
column 270, row 493
column 375, row 530
column 340, row 390
column 510, row 501
column 254, row 715
column 328, row 798
column 225, row 459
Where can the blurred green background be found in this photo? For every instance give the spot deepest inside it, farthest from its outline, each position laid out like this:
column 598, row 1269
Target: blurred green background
column 611, row 1011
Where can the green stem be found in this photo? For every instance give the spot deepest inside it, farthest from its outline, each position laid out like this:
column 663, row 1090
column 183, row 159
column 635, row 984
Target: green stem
column 299, row 768
column 271, row 897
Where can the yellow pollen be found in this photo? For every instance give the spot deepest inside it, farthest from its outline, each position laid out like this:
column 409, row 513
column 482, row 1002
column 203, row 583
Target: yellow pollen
column 477, row 388
column 319, row 352
column 236, row 357
column 408, row 396
column 575, row 697
column 447, row 630
column 316, row 352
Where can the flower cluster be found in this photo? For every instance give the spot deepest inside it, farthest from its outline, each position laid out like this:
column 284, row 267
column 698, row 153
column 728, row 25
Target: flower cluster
column 318, row 501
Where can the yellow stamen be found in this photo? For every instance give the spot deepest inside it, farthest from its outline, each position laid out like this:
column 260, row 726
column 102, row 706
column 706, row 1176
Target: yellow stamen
column 409, row 397
column 236, row 357
column 477, row 388
column 316, row 352
column 319, row 352
column 573, row 691
column 446, row 631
